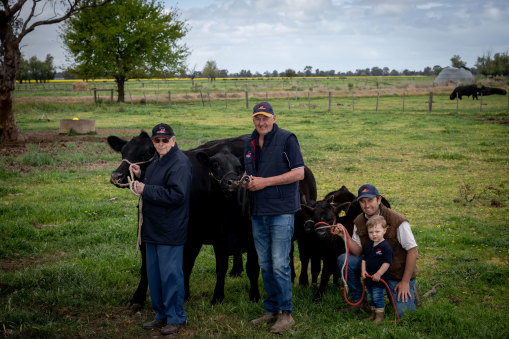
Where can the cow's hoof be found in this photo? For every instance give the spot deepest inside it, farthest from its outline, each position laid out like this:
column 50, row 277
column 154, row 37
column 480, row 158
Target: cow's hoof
column 317, row 297
column 216, row 301
column 255, row 296
column 134, row 307
column 235, row 273
column 303, row 281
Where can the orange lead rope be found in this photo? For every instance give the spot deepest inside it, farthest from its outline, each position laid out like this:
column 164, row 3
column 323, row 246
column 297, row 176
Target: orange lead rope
column 344, row 272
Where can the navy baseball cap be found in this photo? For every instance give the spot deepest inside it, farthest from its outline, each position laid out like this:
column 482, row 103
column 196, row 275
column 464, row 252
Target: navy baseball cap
column 367, row 191
column 162, row 131
column 263, row 108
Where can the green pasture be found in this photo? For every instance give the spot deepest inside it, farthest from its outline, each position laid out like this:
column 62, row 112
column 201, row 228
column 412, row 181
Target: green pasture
column 447, row 171
column 229, row 85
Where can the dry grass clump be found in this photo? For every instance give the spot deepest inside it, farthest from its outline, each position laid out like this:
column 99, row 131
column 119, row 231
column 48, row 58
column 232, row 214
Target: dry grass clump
column 79, row 86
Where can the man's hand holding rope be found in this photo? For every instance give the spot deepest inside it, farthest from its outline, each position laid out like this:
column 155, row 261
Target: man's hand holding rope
column 136, row 171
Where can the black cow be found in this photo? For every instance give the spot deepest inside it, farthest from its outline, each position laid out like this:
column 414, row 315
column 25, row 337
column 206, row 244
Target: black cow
column 338, row 206
column 469, row 90
column 213, row 218
column 215, row 215
column 491, row 90
column 308, row 195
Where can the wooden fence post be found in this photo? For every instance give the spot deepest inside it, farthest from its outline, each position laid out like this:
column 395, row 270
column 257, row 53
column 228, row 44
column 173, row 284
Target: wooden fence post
column 309, row 103
column 480, row 106
column 169, row 98
column 377, row 96
column 288, row 100
column 457, row 104
column 330, row 100
column 225, row 99
column 95, row 95
column 430, row 102
column 353, row 104
column 403, row 102
column 145, row 97
column 247, row 100
column 208, row 96
column 201, row 97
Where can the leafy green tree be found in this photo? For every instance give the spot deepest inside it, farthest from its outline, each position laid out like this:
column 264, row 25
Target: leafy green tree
column 245, row 73
column 35, row 69
column 290, row 73
column 496, row 65
column 376, row 71
column 457, row 62
column 17, row 19
column 22, row 73
column 47, row 69
column 124, row 39
column 210, row 70
column 437, row 69
column 307, row 71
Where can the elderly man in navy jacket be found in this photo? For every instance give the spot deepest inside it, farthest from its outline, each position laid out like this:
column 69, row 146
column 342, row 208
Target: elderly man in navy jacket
column 165, row 189
column 274, row 164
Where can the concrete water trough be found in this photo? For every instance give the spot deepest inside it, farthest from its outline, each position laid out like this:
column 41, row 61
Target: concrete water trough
column 78, row 126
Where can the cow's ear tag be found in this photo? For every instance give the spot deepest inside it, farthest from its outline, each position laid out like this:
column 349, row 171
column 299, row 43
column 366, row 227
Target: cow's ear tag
column 341, row 214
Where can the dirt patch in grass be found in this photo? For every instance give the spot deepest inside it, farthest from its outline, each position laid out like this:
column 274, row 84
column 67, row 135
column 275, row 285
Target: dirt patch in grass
column 498, row 120
column 19, row 262
column 51, row 139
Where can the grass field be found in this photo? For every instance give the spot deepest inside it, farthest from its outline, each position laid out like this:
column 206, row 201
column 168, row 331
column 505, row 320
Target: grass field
column 447, row 171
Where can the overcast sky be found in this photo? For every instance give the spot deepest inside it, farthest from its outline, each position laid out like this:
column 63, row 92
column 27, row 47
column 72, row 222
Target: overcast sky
column 340, row 35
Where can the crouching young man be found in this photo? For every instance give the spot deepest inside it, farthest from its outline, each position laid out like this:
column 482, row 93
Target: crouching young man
column 399, row 235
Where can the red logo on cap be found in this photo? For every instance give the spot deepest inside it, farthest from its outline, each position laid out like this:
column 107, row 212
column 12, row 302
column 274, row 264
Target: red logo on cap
column 262, row 107
column 365, row 189
column 162, row 130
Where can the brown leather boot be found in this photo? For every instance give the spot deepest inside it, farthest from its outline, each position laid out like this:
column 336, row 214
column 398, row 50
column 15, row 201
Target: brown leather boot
column 372, row 315
column 265, row 319
column 363, row 306
column 379, row 315
column 284, row 323
column 156, row 323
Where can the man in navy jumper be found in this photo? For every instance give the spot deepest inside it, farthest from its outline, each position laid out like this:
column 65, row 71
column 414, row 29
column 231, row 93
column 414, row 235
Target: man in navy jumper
column 274, row 164
column 166, row 189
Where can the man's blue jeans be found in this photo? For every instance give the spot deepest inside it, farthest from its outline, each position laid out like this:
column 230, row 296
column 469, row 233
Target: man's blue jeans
column 355, row 284
column 273, row 236
column 166, row 282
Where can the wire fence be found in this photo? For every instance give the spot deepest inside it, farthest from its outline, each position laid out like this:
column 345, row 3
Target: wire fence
column 324, row 94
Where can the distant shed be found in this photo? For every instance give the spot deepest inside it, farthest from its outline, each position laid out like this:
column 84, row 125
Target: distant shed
column 455, row 75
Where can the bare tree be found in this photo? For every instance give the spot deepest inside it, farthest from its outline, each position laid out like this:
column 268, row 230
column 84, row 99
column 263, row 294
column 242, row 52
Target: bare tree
column 17, row 19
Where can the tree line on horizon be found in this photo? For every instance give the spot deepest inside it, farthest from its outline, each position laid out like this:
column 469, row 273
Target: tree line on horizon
column 487, row 65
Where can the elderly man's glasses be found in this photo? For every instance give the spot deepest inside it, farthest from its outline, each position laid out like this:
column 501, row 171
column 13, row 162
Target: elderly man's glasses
column 158, row 140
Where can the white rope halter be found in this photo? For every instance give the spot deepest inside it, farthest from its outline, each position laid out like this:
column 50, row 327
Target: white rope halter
column 132, row 187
